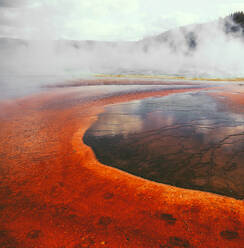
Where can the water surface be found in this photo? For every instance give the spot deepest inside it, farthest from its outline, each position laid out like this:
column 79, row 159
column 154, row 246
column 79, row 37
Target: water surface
column 191, row 140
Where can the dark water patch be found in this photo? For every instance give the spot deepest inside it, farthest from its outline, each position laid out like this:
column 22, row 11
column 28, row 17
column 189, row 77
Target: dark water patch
column 168, row 218
column 229, row 235
column 189, row 140
column 178, row 242
column 104, row 221
column 108, row 195
column 34, row 234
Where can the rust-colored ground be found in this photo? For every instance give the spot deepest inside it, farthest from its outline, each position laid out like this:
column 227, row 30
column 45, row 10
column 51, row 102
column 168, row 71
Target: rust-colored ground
column 54, row 193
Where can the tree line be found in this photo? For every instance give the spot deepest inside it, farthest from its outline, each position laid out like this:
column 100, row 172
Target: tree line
column 238, row 18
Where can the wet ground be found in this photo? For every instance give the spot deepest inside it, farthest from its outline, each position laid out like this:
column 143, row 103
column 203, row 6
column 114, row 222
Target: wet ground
column 55, row 193
column 192, row 140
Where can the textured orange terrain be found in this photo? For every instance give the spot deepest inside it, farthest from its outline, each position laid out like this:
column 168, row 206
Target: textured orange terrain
column 54, row 193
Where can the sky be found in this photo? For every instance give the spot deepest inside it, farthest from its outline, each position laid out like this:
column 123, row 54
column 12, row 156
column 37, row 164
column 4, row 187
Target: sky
column 110, row 20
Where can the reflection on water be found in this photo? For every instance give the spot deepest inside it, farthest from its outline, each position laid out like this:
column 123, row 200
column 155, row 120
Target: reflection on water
column 189, row 140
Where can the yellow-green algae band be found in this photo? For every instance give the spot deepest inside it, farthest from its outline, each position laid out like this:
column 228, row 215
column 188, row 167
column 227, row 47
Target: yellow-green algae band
column 169, row 77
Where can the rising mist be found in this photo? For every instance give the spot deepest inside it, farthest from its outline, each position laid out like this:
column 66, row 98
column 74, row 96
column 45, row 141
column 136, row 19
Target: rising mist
column 213, row 49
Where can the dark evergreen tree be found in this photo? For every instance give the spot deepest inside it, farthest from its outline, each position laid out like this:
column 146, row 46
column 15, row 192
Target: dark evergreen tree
column 237, row 23
column 238, row 18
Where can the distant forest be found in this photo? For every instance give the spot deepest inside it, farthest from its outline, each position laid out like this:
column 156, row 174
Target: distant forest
column 238, row 18
column 238, row 26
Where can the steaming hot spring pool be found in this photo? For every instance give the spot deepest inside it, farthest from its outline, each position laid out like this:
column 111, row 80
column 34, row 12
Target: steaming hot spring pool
column 191, row 140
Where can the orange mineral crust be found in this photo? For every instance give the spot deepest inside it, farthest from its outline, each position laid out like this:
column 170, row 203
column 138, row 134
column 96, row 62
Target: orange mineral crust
column 54, row 193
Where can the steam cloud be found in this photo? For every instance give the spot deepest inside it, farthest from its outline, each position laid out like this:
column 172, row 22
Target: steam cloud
column 203, row 50
column 196, row 50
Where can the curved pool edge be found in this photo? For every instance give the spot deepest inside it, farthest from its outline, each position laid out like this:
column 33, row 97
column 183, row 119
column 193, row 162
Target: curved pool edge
column 83, row 203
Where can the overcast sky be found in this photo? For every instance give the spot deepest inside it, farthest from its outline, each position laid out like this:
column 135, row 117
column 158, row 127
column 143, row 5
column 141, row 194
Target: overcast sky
column 105, row 19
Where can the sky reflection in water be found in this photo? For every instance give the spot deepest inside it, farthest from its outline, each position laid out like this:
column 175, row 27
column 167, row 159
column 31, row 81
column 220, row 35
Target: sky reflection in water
column 190, row 140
